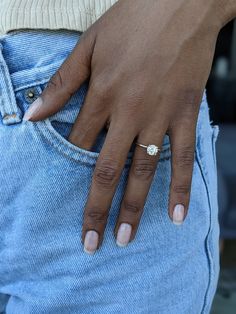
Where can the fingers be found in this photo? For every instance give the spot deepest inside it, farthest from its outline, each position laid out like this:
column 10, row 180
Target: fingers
column 182, row 139
column 140, row 178
column 92, row 117
column 104, row 182
column 65, row 82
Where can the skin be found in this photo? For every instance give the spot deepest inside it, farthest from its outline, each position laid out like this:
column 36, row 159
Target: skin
column 147, row 62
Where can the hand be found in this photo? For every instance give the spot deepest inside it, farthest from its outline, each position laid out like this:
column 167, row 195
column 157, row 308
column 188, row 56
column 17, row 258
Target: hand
column 147, row 64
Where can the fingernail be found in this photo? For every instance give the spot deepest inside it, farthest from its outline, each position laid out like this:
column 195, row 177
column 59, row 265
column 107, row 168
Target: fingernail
column 123, row 234
column 35, row 106
column 90, row 242
column 178, row 214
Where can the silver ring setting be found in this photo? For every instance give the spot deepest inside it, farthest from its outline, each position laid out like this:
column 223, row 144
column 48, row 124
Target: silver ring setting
column 152, row 149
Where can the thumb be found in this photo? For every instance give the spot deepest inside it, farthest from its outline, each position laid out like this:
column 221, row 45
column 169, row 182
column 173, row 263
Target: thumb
column 65, row 82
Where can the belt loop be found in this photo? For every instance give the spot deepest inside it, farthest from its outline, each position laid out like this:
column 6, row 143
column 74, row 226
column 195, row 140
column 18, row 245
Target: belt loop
column 10, row 112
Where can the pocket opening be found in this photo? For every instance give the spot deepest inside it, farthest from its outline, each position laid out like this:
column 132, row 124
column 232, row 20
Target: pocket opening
column 56, row 129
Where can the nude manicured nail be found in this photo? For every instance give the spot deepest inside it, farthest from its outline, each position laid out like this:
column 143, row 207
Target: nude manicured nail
column 178, row 214
column 123, row 234
column 91, row 242
column 35, row 106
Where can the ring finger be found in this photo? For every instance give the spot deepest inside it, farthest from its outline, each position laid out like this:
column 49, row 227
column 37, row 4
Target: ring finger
column 140, row 178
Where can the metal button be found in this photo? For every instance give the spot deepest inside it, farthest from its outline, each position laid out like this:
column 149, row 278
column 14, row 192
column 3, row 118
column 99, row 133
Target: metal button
column 31, row 94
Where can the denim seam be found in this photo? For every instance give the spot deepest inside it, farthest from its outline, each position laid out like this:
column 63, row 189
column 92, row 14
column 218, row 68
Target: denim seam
column 215, row 130
column 31, row 84
column 45, row 71
column 12, row 107
column 61, row 148
column 62, row 152
column 207, row 246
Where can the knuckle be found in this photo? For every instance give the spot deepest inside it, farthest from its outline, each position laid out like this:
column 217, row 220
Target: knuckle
column 106, row 174
column 189, row 96
column 185, row 157
column 58, row 83
column 100, row 89
column 187, row 103
column 143, row 168
column 96, row 216
column 96, row 111
column 181, row 188
column 132, row 206
column 135, row 99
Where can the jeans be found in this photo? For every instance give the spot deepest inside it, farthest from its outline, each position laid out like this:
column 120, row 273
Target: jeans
column 44, row 183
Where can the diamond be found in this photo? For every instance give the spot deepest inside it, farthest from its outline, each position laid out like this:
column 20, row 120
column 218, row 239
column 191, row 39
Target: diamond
column 152, row 150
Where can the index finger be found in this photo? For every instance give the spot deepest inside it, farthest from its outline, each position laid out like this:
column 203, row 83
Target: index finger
column 65, row 82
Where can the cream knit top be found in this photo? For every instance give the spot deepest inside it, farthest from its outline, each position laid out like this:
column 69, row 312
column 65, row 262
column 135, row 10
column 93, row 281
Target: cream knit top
column 52, row 14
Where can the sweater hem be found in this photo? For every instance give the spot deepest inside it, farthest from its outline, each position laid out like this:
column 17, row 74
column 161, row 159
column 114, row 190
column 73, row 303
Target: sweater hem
column 63, row 14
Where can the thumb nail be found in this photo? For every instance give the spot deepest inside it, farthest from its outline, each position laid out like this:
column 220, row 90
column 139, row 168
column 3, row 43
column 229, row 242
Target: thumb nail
column 35, row 107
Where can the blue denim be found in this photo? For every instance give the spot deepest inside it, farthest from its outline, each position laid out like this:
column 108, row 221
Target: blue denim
column 44, row 183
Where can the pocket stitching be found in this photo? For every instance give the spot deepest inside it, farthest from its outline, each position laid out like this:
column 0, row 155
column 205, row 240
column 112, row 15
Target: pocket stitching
column 77, row 153
column 62, row 145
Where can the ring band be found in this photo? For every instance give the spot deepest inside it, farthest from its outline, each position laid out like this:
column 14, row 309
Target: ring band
column 152, row 149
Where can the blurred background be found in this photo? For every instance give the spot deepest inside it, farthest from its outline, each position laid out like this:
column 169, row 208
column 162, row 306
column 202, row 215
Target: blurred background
column 221, row 93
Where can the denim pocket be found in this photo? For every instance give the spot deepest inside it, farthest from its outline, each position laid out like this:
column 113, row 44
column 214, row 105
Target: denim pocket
column 56, row 128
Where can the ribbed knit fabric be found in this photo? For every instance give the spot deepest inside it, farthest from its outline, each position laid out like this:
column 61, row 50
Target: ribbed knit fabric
column 52, row 14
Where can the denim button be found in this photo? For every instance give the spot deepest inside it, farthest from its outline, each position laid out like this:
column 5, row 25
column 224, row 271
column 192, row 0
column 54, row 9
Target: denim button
column 31, row 94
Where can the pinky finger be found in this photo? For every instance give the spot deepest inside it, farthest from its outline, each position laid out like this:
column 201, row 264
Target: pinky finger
column 182, row 148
